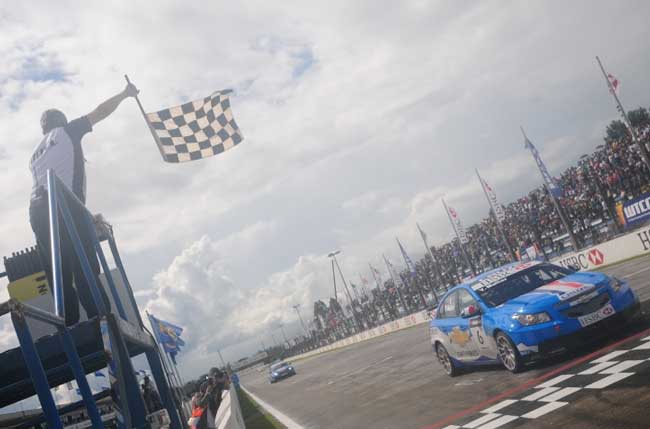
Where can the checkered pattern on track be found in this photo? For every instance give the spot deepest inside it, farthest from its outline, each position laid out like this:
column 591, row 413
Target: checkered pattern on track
column 560, row 391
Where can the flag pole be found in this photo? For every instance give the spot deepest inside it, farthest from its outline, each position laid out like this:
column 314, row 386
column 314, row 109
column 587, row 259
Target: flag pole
column 413, row 273
column 460, row 243
column 392, row 276
column 165, row 358
column 556, row 204
column 635, row 138
column 436, row 270
column 144, row 115
column 502, row 233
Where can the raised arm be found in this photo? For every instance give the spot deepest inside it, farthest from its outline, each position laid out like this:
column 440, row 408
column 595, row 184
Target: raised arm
column 107, row 107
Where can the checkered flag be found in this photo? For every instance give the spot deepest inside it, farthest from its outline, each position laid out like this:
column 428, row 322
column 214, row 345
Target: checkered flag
column 195, row 130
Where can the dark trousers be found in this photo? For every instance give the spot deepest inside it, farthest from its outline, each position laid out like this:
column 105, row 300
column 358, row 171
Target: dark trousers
column 70, row 265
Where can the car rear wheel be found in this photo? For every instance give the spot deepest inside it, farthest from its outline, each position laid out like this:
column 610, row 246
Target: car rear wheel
column 508, row 353
column 445, row 360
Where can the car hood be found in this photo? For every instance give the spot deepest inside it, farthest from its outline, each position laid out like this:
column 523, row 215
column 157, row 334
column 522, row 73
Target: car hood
column 564, row 289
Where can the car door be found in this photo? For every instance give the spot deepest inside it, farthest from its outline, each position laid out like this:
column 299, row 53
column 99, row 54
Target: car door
column 472, row 315
column 456, row 329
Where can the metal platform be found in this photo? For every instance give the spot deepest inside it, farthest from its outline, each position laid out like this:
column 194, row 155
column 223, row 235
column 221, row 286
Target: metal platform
column 15, row 382
column 61, row 353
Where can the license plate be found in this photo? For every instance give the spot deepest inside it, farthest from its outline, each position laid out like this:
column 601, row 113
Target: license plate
column 597, row 316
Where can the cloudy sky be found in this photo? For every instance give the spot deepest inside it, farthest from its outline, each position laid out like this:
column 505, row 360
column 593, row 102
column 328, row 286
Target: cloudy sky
column 357, row 118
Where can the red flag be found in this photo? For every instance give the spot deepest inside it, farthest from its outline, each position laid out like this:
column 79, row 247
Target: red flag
column 613, row 82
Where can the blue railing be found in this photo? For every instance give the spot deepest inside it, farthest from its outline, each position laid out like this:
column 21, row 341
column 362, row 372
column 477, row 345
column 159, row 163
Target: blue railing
column 131, row 412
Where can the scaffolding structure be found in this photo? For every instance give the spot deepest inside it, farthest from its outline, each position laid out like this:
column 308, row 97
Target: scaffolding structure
column 107, row 340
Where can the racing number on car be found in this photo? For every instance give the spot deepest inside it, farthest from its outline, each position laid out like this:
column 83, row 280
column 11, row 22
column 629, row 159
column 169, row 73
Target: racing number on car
column 476, row 326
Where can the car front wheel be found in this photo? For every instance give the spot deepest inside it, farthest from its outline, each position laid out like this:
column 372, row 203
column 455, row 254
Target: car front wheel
column 508, row 353
column 445, row 360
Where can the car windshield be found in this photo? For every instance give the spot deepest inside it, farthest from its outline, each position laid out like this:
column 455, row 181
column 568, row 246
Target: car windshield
column 277, row 366
column 520, row 283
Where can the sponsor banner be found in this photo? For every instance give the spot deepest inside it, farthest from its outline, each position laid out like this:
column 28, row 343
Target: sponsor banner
column 626, row 246
column 637, row 210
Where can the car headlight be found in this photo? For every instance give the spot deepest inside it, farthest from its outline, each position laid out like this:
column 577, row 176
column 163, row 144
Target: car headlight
column 274, row 374
column 290, row 368
column 532, row 319
column 615, row 283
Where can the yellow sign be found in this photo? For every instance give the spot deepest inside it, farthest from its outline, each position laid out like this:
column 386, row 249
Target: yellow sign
column 459, row 336
column 30, row 287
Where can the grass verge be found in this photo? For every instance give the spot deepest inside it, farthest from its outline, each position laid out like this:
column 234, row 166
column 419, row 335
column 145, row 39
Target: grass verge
column 256, row 417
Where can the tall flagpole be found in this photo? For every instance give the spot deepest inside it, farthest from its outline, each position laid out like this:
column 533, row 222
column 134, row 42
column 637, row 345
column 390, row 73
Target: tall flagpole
column 556, row 204
column 167, row 365
column 436, row 267
column 502, row 233
column 460, row 243
column 410, row 266
column 635, row 138
column 144, row 115
column 392, row 276
column 379, row 292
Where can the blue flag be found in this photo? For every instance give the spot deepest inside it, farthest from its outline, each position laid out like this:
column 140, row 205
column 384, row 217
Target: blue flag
column 551, row 184
column 168, row 335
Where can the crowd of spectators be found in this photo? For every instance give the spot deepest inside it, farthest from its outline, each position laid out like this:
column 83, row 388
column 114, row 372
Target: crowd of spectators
column 591, row 190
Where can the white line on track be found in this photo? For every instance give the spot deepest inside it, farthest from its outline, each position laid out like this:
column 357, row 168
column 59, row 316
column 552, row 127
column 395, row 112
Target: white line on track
column 282, row 418
column 636, row 272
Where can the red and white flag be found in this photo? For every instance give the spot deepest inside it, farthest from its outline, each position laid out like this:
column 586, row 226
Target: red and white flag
column 456, row 223
column 492, row 199
column 614, row 83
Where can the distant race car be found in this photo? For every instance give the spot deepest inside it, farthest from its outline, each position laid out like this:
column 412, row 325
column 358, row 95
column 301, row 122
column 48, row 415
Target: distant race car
column 524, row 311
column 280, row 370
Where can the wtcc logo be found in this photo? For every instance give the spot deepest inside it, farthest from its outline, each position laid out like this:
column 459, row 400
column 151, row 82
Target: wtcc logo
column 596, row 257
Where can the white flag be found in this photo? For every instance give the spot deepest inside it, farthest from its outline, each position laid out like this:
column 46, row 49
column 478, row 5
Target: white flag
column 492, row 198
column 457, row 224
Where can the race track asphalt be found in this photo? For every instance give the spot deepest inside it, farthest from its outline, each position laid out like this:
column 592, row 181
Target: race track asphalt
column 395, row 382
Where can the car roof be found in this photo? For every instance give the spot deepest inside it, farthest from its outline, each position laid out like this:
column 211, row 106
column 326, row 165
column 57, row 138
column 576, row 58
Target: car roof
column 511, row 267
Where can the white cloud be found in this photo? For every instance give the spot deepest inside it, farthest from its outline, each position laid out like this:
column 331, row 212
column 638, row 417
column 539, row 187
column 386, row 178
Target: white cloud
column 357, row 117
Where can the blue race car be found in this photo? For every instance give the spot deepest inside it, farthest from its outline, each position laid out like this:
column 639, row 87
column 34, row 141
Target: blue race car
column 523, row 311
column 280, row 370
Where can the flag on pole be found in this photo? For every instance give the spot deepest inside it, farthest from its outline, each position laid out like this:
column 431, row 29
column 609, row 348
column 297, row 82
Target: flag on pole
column 456, row 223
column 376, row 275
column 613, row 83
column 168, row 336
column 492, row 199
column 364, row 281
column 552, row 185
column 195, row 130
column 393, row 273
column 407, row 259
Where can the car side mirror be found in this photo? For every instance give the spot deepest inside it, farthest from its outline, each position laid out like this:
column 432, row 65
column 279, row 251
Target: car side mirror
column 470, row 311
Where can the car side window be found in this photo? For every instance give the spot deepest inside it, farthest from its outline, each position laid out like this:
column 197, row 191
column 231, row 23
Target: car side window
column 465, row 299
column 449, row 307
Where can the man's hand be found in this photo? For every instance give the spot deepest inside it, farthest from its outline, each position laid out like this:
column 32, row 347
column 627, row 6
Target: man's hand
column 130, row 90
